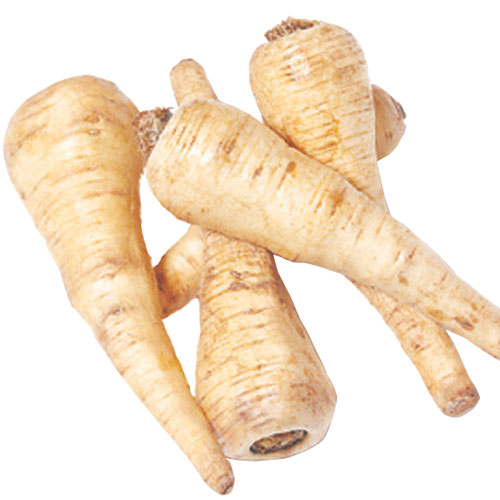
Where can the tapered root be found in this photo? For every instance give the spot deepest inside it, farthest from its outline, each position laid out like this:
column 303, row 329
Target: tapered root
column 73, row 157
column 257, row 374
column 179, row 271
column 322, row 105
column 304, row 211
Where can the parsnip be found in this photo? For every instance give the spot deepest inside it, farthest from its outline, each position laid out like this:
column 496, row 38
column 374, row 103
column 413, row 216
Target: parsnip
column 259, row 379
column 179, row 270
column 74, row 160
column 312, row 87
column 217, row 167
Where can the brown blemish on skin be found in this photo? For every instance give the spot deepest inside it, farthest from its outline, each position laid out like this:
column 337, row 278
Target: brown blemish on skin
column 337, row 198
column 396, row 258
column 442, row 279
column 115, row 311
column 193, row 140
column 419, row 347
column 238, row 285
column 412, row 253
column 288, row 170
column 464, row 323
column 160, row 279
column 436, row 314
column 228, row 146
column 257, row 172
column 402, row 280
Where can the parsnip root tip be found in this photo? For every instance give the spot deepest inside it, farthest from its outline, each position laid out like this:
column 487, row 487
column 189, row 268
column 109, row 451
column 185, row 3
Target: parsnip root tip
column 74, row 159
column 462, row 404
column 225, row 484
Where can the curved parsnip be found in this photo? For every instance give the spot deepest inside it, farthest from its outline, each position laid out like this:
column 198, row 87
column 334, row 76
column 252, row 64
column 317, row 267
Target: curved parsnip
column 312, row 87
column 73, row 157
column 178, row 271
column 259, row 379
column 213, row 160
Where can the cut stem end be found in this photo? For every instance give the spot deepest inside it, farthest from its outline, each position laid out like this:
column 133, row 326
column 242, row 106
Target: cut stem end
column 288, row 27
column 278, row 442
column 148, row 127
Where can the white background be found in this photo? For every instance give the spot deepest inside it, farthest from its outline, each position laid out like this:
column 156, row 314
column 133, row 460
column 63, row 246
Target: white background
column 69, row 425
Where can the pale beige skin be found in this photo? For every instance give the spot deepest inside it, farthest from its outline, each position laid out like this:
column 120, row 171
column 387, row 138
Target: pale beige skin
column 213, row 159
column 389, row 122
column 179, row 270
column 312, row 87
column 74, row 160
column 259, row 379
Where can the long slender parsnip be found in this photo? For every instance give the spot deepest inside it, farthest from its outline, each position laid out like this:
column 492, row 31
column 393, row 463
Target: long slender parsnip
column 311, row 85
column 179, row 271
column 73, row 157
column 259, row 379
column 217, row 167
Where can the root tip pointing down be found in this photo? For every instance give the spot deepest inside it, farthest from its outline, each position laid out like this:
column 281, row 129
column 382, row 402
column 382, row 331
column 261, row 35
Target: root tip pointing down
column 461, row 405
column 225, row 485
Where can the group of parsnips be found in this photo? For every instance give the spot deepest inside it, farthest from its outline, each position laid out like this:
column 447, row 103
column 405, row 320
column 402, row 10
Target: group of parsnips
column 304, row 185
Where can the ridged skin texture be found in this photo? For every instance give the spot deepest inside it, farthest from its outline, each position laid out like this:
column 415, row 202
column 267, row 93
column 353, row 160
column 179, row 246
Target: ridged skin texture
column 74, row 159
column 312, row 88
column 213, row 160
column 179, row 270
column 257, row 372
